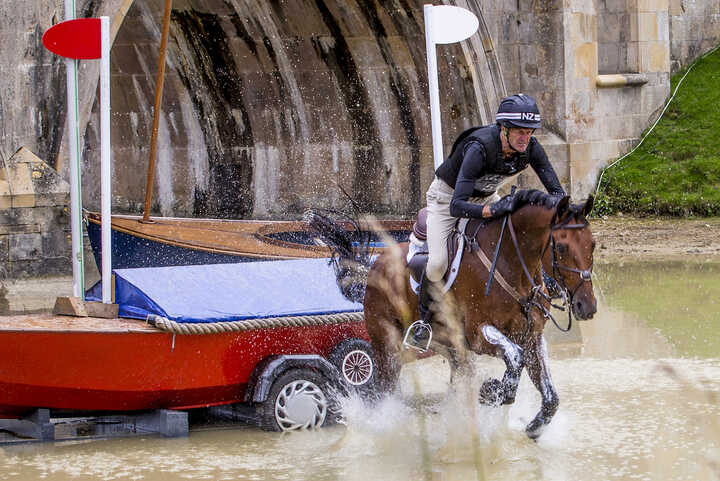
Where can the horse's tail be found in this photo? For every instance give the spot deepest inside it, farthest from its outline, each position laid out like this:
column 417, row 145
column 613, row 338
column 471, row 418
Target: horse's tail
column 351, row 256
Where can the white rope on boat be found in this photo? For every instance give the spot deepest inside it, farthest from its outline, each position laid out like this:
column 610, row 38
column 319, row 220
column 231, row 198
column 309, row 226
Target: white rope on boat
column 196, row 328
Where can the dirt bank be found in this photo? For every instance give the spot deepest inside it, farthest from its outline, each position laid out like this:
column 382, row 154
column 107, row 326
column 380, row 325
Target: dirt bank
column 621, row 237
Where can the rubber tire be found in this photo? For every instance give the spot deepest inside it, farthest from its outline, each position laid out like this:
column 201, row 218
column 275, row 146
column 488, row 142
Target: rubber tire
column 339, row 354
column 266, row 410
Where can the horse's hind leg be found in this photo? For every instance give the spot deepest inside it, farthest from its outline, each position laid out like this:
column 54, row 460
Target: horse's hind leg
column 496, row 392
column 536, row 363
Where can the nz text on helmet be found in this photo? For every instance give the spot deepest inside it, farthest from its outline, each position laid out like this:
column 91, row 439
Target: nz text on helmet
column 518, row 111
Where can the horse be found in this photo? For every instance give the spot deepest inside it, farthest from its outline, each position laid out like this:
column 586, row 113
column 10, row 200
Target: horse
column 546, row 233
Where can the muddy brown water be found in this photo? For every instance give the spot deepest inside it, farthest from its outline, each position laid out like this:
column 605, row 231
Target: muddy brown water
column 639, row 389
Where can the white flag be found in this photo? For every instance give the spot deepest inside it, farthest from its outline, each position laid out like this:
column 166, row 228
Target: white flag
column 443, row 24
column 452, row 24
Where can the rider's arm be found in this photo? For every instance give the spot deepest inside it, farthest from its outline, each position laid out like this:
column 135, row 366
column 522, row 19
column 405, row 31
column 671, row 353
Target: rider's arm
column 470, row 170
column 544, row 170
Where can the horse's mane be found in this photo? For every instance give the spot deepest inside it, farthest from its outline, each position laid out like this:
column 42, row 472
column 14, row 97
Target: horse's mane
column 548, row 201
column 536, row 197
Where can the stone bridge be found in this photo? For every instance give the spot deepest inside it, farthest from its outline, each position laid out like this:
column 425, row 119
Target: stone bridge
column 272, row 106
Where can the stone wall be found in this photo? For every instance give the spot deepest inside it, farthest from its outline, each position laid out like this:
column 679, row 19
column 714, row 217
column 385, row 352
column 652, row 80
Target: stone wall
column 34, row 218
column 269, row 106
column 694, row 29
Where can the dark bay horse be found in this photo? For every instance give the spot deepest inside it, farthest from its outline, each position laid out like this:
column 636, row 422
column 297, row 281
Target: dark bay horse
column 509, row 322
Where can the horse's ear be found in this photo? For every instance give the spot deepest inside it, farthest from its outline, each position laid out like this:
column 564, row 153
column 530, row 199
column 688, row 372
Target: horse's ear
column 562, row 207
column 588, row 205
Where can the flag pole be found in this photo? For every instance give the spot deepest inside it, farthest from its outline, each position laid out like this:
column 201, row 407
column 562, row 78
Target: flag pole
column 105, row 160
column 74, row 171
column 433, row 88
column 443, row 24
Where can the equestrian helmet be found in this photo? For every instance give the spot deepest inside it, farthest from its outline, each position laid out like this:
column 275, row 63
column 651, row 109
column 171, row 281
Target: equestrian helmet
column 518, row 111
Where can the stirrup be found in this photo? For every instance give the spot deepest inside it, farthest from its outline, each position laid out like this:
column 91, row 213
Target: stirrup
column 410, row 341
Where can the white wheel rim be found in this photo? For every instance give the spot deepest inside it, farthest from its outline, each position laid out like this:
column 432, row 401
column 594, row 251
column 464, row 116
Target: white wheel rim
column 357, row 367
column 300, row 405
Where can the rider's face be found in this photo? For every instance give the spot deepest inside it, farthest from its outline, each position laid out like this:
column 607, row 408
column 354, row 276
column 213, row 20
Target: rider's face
column 519, row 138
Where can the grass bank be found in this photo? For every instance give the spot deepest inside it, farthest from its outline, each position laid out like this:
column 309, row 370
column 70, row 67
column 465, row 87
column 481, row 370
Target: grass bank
column 676, row 170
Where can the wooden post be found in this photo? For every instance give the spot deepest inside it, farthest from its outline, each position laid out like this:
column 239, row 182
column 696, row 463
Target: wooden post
column 156, row 113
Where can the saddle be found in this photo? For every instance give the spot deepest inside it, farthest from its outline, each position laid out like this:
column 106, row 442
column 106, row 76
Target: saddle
column 461, row 239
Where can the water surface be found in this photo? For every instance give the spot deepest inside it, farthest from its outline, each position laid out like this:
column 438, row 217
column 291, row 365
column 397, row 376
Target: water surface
column 639, row 387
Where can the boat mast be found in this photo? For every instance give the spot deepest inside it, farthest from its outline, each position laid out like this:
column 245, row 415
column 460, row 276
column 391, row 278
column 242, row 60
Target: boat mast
column 156, row 113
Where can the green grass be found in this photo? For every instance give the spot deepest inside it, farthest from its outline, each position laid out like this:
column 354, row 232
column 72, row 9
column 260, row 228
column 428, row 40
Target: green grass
column 676, row 170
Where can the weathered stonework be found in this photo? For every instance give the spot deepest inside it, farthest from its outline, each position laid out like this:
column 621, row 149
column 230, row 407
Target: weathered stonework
column 34, row 224
column 269, row 105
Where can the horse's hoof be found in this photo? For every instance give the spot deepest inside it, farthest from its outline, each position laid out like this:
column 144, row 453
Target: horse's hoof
column 492, row 393
column 535, row 429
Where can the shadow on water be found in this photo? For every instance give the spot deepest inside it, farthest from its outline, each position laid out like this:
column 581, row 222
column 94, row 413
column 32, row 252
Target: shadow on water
column 638, row 385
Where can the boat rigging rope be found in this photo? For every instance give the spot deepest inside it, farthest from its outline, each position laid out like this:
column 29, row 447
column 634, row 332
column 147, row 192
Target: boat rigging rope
column 187, row 328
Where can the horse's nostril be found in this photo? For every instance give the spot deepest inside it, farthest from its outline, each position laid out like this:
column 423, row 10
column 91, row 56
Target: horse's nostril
column 584, row 311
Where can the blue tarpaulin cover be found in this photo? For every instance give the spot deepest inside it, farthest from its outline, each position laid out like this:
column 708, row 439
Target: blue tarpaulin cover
column 229, row 292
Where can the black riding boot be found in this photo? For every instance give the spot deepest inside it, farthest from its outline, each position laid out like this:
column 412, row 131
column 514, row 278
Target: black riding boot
column 420, row 332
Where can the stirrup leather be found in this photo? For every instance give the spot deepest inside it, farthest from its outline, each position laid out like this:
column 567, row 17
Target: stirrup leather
column 415, row 328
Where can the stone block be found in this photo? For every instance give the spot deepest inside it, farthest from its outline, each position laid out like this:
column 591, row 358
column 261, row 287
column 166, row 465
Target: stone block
column 582, row 6
column 585, row 60
column 6, row 229
column 609, row 58
column 614, row 6
column 23, row 269
column 583, row 28
column 648, row 26
column 20, row 185
column 5, row 197
column 4, row 249
column 584, row 170
column 38, row 218
column 609, row 27
column 653, row 5
column 675, row 7
column 659, row 57
column 56, row 243
column 25, row 246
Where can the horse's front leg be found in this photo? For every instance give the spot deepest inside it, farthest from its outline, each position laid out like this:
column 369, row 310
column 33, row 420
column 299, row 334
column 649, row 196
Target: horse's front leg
column 536, row 363
column 496, row 392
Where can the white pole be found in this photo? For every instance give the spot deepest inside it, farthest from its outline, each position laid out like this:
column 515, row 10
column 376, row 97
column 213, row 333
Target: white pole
column 105, row 166
column 433, row 86
column 76, row 230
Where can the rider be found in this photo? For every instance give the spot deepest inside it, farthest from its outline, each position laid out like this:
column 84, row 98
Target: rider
column 482, row 160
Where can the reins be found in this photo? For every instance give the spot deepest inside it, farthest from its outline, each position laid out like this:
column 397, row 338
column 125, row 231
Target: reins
column 536, row 290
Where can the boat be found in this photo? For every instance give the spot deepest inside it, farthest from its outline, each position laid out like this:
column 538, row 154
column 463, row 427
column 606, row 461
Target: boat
column 93, row 364
column 174, row 241
column 194, row 337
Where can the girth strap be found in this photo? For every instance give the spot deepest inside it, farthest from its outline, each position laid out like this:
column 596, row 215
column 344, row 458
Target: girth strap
column 498, row 277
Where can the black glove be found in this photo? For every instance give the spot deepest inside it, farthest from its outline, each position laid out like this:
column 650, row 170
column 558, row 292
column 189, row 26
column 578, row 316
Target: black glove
column 504, row 206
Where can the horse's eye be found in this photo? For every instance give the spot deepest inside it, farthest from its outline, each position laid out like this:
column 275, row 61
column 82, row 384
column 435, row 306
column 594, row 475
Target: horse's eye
column 562, row 249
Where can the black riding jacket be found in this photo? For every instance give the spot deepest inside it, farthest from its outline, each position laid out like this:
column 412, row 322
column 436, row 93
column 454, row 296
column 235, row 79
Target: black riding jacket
column 476, row 166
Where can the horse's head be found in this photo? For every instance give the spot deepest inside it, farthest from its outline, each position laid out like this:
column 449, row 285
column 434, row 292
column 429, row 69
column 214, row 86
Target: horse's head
column 571, row 255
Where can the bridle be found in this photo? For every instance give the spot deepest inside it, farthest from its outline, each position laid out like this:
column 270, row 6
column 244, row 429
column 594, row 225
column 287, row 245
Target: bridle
column 557, row 268
column 557, row 274
column 538, row 297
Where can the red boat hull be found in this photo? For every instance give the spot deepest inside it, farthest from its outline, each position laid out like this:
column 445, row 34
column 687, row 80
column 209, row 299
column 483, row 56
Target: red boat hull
column 125, row 365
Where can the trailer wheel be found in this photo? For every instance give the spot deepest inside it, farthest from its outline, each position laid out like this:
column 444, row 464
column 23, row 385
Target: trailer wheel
column 298, row 400
column 354, row 359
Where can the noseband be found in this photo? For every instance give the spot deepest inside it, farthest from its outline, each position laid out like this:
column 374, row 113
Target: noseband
column 585, row 275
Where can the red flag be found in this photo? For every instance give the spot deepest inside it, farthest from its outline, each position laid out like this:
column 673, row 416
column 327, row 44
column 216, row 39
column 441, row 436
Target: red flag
column 78, row 38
